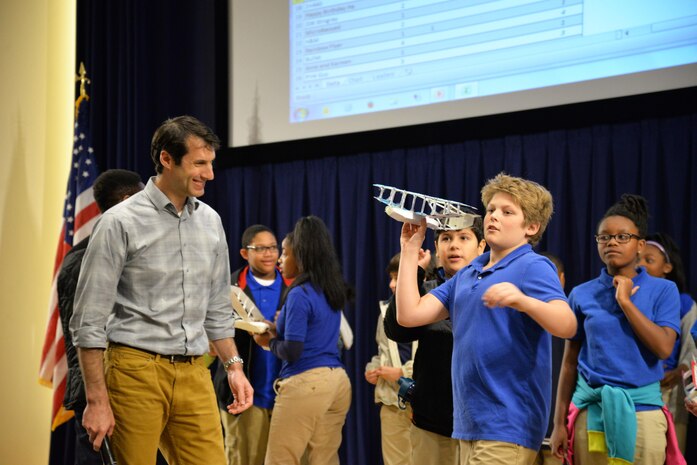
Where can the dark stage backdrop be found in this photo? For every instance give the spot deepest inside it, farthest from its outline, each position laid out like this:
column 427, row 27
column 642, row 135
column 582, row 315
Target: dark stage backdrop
column 161, row 58
column 585, row 169
column 149, row 61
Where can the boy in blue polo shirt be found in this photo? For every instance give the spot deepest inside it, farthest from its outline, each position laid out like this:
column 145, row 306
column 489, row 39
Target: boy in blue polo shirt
column 246, row 434
column 503, row 306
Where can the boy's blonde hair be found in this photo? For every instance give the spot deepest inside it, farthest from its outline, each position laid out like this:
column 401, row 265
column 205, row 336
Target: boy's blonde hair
column 533, row 199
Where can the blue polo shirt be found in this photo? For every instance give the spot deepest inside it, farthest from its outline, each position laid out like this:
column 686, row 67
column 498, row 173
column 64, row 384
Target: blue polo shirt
column 266, row 366
column 686, row 303
column 307, row 317
column 610, row 352
column 501, row 364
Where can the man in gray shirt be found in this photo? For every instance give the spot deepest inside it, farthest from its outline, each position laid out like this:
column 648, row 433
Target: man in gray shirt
column 153, row 291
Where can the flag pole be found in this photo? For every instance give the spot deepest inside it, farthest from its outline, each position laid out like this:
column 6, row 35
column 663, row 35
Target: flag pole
column 82, row 79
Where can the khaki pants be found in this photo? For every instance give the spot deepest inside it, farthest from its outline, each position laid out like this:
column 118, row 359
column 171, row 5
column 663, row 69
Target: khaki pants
column 650, row 440
column 395, row 433
column 674, row 399
column 545, row 457
column 160, row 403
column 428, row 447
column 495, row 453
column 309, row 412
column 246, row 435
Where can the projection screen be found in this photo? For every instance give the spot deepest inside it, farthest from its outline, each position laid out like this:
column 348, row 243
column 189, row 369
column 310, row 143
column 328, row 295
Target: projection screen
column 311, row 68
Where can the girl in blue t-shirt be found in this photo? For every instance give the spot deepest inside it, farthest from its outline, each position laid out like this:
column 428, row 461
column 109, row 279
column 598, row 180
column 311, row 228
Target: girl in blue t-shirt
column 627, row 323
column 313, row 390
column 661, row 258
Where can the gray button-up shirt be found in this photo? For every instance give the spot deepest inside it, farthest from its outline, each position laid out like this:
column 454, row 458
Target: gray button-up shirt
column 153, row 279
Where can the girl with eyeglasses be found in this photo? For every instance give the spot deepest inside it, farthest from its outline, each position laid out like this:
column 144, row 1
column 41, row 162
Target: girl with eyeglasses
column 609, row 394
column 661, row 258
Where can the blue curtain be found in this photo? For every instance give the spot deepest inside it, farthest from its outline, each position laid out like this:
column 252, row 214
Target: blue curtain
column 161, row 58
column 586, row 169
column 149, row 61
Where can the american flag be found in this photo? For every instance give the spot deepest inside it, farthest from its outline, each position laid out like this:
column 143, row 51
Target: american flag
column 79, row 215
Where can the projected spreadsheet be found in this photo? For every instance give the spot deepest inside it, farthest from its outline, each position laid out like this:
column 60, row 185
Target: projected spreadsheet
column 354, row 57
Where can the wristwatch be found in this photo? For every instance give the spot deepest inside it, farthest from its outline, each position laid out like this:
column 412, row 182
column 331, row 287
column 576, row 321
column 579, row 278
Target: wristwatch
column 232, row 361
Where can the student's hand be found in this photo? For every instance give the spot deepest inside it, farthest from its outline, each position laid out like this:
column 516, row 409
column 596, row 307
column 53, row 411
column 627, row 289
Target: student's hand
column 624, row 289
column 371, row 376
column 691, row 407
column 502, row 295
column 263, row 339
column 413, row 236
column 424, row 258
column 559, row 442
column 241, row 390
column 272, row 328
column 672, row 378
column 389, row 373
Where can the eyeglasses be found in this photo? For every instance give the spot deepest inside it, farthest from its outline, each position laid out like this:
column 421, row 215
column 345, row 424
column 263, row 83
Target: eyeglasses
column 621, row 238
column 263, row 248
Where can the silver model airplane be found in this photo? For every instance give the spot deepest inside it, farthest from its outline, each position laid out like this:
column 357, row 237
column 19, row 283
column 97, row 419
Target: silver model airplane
column 411, row 207
column 248, row 317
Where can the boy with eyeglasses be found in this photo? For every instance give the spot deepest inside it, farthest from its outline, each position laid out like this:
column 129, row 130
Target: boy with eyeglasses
column 246, row 434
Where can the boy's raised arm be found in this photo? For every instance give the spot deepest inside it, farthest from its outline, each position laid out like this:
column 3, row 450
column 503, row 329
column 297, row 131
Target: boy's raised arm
column 412, row 309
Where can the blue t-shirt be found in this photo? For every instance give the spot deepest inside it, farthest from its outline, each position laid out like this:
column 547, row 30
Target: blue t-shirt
column 671, row 363
column 307, row 317
column 501, row 364
column 610, row 352
column 266, row 366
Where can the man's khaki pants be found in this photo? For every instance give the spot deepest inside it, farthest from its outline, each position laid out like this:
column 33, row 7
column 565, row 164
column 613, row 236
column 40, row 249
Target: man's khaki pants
column 160, row 403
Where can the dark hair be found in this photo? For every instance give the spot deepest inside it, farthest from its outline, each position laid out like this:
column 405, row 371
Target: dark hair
column 634, row 208
column 172, row 136
column 554, row 259
column 250, row 233
column 431, row 269
column 677, row 274
column 112, row 186
column 477, row 228
column 317, row 260
column 393, row 265
column 289, row 239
